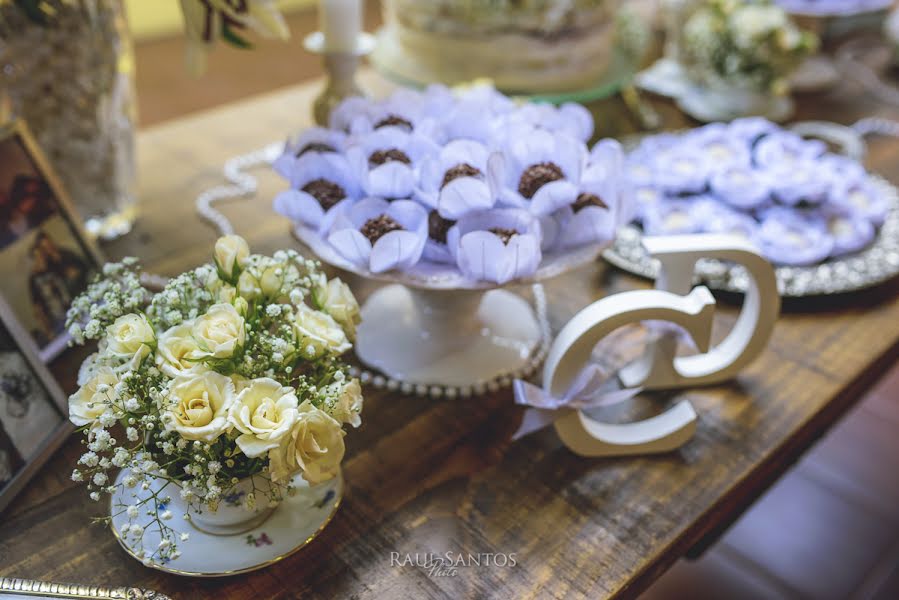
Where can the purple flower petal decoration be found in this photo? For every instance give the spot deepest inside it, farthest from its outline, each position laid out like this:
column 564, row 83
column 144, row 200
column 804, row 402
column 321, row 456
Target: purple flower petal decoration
column 850, row 234
column 733, row 223
column 683, row 172
column 784, row 149
column 320, row 182
column 672, row 217
column 381, row 235
column 749, row 129
column 799, row 183
column 741, row 187
column 498, row 245
column 788, row 238
column 534, row 159
column 455, row 181
column 862, row 200
column 755, row 179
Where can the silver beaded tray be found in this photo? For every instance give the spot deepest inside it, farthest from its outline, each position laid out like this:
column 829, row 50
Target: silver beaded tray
column 872, row 266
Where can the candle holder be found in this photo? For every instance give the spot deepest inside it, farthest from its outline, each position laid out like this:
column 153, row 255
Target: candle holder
column 340, row 67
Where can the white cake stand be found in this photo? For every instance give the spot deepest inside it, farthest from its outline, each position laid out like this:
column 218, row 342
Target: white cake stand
column 432, row 331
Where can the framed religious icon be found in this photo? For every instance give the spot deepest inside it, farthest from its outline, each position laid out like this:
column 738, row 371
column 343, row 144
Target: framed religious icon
column 46, row 258
column 33, row 410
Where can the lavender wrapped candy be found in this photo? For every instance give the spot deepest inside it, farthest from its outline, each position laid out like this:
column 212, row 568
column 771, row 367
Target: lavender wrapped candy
column 683, row 172
column 499, row 245
column 604, row 200
column 740, row 187
column 733, row 223
column 457, row 180
column 787, row 237
column 861, row 199
column 384, row 161
column 850, row 233
column 749, row 129
column 381, row 236
column 674, row 216
column 315, row 140
column 798, row 183
column 718, row 148
column 540, row 170
column 646, row 199
column 782, row 150
column 322, row 185
column 569, row 119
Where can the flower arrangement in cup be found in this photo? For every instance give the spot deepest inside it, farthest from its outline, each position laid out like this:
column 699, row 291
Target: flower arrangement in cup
column 465, row 182
column 230, row 374
column 748, row 45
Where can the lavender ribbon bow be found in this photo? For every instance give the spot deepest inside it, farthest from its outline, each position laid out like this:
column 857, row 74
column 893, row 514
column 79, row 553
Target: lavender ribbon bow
column 588, row 390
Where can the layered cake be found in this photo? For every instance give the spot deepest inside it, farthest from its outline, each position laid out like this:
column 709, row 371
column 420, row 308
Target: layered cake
column 523, row 46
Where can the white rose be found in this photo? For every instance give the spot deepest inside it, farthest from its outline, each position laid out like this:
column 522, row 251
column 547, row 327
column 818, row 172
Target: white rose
column 220, row 332
column 264, row 412
column 248, row 287
column 197, row 406
column 345, row 402
column 93, row 398
column 314, row 446
column 230, row 253
column 130, row 337
column 226, row 294
column 178, row 352
column 321, row 331
column 336, row 299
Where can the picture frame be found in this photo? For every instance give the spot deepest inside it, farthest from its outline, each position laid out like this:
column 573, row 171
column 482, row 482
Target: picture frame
column 46, row 256
column 33, row 409
column 29, row 589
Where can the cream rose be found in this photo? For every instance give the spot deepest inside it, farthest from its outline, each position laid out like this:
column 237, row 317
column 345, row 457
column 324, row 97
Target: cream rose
column 345, row 402
column 197, row 406
column 314, row 446
column 265, row 413
column 320, row 331
column 178, row 352
column 231, row 251
column 130, row 337
column 336, row 299
column 93, row 398
column 220, row 332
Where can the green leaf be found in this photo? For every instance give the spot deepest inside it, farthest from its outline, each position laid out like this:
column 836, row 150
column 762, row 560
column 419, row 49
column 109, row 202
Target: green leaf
column 230, row 36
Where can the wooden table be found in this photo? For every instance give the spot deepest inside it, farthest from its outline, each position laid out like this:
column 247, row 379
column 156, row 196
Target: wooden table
column 436, row 476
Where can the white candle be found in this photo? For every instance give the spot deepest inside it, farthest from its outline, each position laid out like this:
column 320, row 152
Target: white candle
column 341, row 22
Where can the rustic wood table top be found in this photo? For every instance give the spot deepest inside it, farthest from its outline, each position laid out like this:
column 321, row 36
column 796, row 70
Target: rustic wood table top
column 435, row 476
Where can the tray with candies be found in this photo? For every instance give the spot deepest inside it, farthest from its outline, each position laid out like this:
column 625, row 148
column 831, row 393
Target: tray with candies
column 826, row 223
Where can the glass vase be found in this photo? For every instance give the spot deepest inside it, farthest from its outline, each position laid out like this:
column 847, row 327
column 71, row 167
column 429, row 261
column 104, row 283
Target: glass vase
column 68, row 69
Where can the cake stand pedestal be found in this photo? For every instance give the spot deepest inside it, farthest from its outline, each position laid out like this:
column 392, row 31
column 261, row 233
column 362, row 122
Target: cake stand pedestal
column 448, row 338
column 433, row 331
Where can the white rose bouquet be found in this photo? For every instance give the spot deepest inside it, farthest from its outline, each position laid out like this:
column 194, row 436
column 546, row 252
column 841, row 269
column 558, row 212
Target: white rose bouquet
column 232, row 372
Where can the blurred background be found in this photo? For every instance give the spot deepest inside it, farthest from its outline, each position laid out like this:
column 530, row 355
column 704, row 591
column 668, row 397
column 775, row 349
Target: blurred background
column 232, row 73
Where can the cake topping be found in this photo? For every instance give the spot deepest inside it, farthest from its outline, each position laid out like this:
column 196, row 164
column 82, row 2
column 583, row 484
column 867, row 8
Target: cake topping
column 326, row 192
column 585, row 199
column 438, row 227
column 315, row 147
column 460, row 170
column 503, row 234
column 380, row 157
column 538, row 175
column 377, row 227
column 394, row 121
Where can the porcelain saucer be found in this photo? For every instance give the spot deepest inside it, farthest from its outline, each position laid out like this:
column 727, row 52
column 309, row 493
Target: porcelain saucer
column 292, row 525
